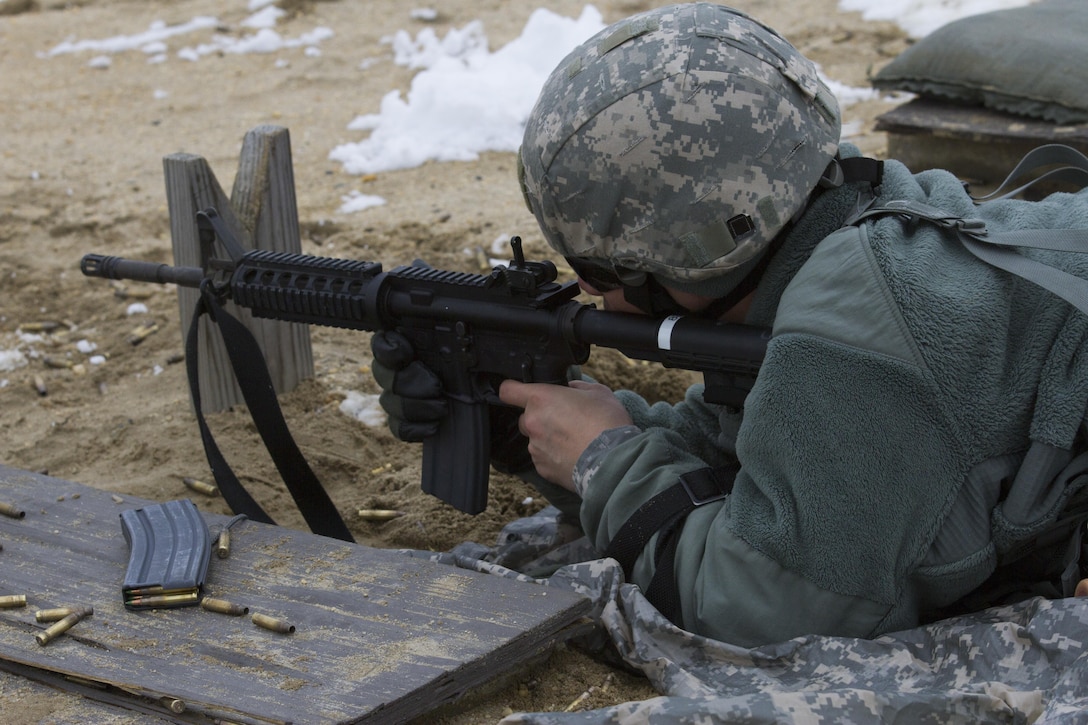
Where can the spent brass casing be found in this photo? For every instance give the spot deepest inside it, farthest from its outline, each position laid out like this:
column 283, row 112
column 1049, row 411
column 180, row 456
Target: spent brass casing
column 11, row 601
column 222, row 545
column 173, row 704
column 11, row 510
column 58, row 628
column 141, row 333
column 200, row 486
column 157, row 600
column 44, row 326
column 379, row 514
column 271, row 623
column 223, row 606
column 59, row 613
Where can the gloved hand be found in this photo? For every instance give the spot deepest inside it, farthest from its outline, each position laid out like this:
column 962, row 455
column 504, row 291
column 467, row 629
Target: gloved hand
column 411, row 392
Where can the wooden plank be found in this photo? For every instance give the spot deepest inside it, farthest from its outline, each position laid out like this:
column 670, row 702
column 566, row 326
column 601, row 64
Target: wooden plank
column 191, row 186
column 975, row 143
column 263, row 197
column 262, row 212
column 71, row 701
column 380, row 636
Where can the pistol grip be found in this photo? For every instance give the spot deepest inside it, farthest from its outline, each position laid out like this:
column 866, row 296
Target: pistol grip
column 457, row 459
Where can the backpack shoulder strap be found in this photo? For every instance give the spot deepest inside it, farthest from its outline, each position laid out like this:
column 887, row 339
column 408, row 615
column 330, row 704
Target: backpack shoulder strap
column 999, row 249
column 1072, row 168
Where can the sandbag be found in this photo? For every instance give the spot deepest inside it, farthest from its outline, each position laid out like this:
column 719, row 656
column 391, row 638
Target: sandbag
column 1030, row 61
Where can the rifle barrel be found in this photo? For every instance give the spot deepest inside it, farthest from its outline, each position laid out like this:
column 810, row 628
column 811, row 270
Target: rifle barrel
column 680, row 341
column 107, row 267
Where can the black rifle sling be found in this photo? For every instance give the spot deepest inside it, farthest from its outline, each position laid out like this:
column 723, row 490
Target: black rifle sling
column 665, row 513
column 247, row 361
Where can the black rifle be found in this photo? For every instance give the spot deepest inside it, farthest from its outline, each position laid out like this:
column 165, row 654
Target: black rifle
column 472, row 330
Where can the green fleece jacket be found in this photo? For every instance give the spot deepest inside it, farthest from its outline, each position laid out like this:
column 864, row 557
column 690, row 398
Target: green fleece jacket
column 904, row 380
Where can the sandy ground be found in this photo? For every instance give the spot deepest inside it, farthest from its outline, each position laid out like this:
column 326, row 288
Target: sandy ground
column 81, row 171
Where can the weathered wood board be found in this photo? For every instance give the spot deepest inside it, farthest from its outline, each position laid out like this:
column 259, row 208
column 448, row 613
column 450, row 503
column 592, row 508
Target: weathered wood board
column 976, row 144
column 380, row 636
column 263, row 212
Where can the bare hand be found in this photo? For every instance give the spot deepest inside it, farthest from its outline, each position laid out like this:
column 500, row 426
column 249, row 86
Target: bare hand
column 561, row 422
column 1082, row 588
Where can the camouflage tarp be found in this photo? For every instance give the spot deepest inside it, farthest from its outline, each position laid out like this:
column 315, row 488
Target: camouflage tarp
column 1023, row 663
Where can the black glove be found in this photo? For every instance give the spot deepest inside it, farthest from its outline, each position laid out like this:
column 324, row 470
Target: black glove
column 411, row 392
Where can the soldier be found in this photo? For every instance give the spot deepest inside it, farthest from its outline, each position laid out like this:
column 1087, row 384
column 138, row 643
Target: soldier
column 896, row 455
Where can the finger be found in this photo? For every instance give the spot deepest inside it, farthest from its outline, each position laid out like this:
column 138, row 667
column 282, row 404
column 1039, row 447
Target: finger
column 513, row 392
column 425, row 410
column 416, row 380
column 428, row 410
column 392, row 349
column 383, row 374
column 411, row 432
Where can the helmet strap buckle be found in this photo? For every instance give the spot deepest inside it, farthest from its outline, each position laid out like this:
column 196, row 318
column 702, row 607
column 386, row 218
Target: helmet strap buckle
column 833, row 176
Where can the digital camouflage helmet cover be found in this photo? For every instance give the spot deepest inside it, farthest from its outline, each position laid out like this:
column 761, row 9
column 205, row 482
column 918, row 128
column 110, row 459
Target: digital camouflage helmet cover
column 678, row 142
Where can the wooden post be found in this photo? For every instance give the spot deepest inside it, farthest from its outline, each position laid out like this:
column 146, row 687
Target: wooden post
column 263, row 213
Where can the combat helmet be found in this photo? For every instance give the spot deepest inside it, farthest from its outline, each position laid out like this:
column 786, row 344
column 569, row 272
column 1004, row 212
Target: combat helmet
column 677, row 144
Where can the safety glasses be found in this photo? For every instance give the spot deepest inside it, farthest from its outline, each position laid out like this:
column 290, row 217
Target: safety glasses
column 639, row 288
column 603, row 275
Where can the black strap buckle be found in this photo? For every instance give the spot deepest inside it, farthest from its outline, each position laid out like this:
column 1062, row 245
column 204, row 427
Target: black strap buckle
column 707, row 485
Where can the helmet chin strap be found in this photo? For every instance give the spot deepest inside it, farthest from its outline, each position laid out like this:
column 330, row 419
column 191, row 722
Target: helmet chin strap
column 653, row 298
